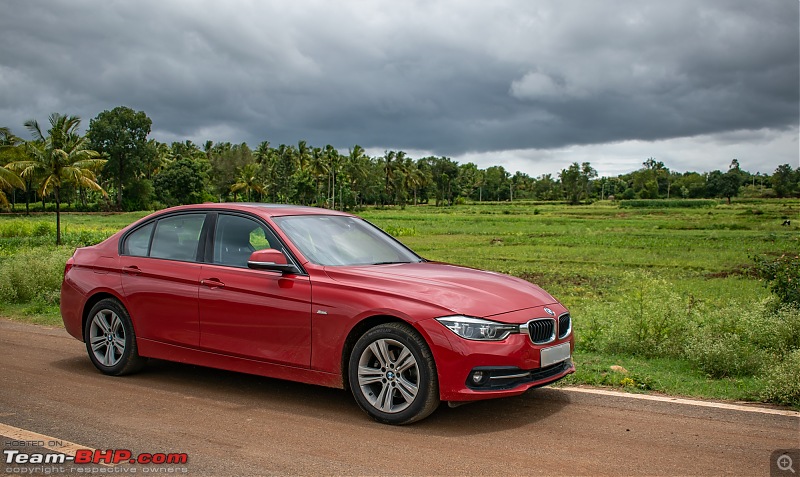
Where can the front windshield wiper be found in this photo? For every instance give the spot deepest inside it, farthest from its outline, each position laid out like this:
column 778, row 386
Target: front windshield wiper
column 390, row 263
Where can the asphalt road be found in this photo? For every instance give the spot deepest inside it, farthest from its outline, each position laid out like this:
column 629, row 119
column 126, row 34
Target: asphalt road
column 235, row 424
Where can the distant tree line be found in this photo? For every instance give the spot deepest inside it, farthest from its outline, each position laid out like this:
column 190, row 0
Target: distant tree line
column 114, row 166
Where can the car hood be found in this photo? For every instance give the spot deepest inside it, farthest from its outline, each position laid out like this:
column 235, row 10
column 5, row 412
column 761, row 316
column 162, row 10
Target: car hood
column 459, row 289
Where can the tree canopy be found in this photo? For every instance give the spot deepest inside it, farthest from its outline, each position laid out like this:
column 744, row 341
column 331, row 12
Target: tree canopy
column 143, row 173
column 121, row 134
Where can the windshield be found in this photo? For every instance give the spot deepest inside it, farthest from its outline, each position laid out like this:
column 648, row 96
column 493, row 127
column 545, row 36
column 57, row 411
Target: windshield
column 339, row 240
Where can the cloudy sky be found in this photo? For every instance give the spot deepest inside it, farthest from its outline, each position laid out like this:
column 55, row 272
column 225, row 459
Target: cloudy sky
column 530, row 85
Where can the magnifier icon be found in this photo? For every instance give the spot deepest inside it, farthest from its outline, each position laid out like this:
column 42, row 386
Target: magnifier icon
column 785, row 463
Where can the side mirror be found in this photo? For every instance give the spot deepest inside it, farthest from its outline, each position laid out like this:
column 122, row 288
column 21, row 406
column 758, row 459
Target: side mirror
column 270, row 259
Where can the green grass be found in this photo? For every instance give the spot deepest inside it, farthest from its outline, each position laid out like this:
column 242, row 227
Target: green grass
column 694, row 261
column 670, row 376
column 580, row 253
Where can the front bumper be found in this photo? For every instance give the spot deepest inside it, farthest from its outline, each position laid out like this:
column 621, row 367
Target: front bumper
column 514, row 362
column 494, row 378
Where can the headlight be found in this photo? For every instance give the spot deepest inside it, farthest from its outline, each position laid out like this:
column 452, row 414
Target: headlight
column 477, row 328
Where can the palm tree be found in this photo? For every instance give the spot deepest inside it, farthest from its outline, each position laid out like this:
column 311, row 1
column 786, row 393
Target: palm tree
column 388, row 170
column 356, row 169
column 319, row 169
column 281, row 172
column 333, row 167
column 59, row 158
column 248, row 181
column 159, row 157
column 303, row 155
column 414, row 177
column 263, row 153
column 9, row 149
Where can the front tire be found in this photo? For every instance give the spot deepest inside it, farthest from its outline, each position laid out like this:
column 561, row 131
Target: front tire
column 392, row 374
column 110, row 340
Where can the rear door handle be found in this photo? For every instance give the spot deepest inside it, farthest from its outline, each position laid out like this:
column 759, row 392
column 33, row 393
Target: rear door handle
column 212, row 283
column 131, row 270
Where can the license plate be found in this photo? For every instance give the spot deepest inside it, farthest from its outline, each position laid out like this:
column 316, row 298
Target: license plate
column 555, row 354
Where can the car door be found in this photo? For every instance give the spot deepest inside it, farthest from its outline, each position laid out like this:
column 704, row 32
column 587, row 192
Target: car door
column 160, row 275
column 255, row 314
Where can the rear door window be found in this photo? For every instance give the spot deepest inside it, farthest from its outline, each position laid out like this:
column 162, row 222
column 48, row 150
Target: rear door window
column 177, row 237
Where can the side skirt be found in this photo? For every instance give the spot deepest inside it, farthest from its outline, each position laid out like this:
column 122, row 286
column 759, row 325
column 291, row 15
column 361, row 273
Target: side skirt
column 169, row 352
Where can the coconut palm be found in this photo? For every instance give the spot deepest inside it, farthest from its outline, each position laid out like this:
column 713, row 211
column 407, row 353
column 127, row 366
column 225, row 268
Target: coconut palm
column 333, row 160
column 9, row 150
column 414, row 177
column 59, row 158
column 388, row 169
column 319, row 169
column 248, row 181
column 263, row 153
column 303, row 155
column 356, row 169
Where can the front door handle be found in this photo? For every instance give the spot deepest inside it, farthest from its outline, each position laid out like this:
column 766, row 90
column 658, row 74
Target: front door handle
column 212, row 283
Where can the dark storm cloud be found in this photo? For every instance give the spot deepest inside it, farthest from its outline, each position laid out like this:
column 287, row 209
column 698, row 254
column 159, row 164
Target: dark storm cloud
column 446, row 77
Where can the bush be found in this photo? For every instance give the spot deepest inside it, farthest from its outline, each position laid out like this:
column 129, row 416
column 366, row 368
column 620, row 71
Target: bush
column 782, row 276
column 651, row 321
column 782, row 382
column 44, row 229
column 33, row 275
column 26, row 228
column 741, row 340
column 12, row 228
column 774, row 328
column 725, row 355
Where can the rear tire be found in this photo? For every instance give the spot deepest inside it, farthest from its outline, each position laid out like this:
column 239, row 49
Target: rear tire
column 392, row 374
column 110, row 340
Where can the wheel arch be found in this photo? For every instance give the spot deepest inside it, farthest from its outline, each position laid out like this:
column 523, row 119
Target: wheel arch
column 93, row 300
column 360, row 328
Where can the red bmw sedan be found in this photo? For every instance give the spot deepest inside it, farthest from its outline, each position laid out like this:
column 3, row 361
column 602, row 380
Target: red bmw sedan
column 316, row 296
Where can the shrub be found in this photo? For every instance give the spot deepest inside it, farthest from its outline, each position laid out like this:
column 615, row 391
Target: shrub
column 724, row 355
column 782, row 276
column 650, row 321
column 782, row 382
column 32, row 275
column 722, row 341
column 741, row 340
column 27, row 228
column 44, row 229
column 16, row 228
column 774, row 328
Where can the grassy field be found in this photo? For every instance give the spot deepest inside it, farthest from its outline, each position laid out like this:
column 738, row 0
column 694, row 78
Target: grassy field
column 667, row 293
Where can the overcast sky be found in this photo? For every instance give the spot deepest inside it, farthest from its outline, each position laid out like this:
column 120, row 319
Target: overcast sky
column 530, row 85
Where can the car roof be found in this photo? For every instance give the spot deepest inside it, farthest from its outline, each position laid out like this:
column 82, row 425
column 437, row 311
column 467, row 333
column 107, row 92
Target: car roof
column 269, row 210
